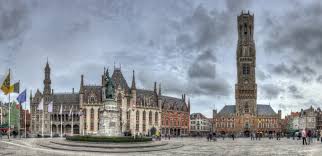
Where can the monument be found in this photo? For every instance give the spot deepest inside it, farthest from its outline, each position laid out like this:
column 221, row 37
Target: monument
column 109, row 116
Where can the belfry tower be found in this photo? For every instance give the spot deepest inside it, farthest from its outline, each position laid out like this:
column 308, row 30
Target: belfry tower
column 246, row 87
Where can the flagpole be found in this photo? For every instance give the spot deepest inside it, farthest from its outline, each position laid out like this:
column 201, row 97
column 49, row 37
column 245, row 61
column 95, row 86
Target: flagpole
column 72, row 122
column 61, row 121
column 42, row 124
column 51, row 128
column 9, row 113
column 25, row 119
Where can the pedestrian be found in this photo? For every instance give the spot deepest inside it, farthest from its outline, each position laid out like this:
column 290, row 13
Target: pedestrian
column 308, row 136
column 303, row 133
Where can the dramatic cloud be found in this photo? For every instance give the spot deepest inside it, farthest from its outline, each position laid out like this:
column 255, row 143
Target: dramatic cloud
column 187, row 46
column 271, row 91
column 295, row 92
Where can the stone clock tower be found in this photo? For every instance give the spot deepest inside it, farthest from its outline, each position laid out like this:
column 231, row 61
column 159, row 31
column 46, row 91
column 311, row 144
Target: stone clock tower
column 246, row 87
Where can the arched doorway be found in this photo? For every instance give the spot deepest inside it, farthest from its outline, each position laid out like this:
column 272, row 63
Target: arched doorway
column 76, row 129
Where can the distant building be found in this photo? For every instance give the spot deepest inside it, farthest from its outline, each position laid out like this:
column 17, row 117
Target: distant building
column 3, row 111
column 319, row 119
column 25, row 116
column 307, row 119
column 199, row 125
column 141, row 110
column 246, row 116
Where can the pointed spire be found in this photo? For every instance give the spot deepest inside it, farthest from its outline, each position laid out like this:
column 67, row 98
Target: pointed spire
column 104, row 71
column 189, row 103
column 133, row 81
column 107, row 73
column 81, row 88
column 155, row 87
column 159, row 89
column 30, row 96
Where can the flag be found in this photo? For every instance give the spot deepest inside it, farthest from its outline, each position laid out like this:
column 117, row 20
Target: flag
column 22, row 97
column 70, row 111
column 5, row 87
column 41, row 105
column 50, row 107
column 15, row 87
column 61, row 109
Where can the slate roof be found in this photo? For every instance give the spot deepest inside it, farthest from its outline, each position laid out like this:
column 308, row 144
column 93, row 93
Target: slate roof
column 66, row 98
column 141, row 94
column 89, row 90
column 119, row 80
column 265, row 110
column 228, row 110
column 173, row 103
column 197, row 115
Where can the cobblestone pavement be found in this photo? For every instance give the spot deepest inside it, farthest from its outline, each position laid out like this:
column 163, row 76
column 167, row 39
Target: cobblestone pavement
column 192, row 146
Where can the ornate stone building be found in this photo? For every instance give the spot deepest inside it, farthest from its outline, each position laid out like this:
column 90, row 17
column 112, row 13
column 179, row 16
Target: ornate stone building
column 64, row 100
column 140, row 110
column 246, row 115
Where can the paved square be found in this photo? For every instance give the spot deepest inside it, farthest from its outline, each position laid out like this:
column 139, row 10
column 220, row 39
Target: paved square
column 192, row 146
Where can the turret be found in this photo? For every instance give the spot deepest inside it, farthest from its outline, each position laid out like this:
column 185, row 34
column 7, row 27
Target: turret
column 214, row 113
column 133, row 87
column 279, row 114
column 189, row 105
column 159, row 89
column 133, row 90
column 81, row 88
column 30, row 97
column 155, row 87
column 47, row 81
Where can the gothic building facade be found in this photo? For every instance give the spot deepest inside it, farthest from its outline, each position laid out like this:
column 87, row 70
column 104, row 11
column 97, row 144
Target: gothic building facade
column 246, row 116
column 140, row 110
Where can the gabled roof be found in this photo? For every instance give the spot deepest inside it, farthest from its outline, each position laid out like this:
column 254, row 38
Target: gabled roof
column 173, row 103
column 141, row 94
column 119, row 79
column 197, row 115
column 66, row 98
column 228, row 110
column 265, row 110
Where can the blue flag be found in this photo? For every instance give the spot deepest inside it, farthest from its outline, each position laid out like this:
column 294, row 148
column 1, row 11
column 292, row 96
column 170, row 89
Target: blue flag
column 22, row 97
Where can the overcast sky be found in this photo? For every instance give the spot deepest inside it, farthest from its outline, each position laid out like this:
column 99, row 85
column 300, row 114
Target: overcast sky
column 187, row 46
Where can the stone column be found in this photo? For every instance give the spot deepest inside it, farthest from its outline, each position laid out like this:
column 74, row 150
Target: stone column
column 140, row 121
column 81, row 124
column 95, row 119
column 88, row 119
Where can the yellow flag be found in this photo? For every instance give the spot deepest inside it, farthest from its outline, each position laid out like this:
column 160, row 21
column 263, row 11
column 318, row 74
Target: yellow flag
column 5, row 87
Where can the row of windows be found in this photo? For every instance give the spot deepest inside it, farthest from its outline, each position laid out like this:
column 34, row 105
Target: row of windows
column 137, row 120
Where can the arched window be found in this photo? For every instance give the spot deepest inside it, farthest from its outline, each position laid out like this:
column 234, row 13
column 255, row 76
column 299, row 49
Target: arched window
column 245, row 28
column 137, row 120
column 144, row 121
column 92, row 119
column 156, row 118
column 150, row 118
column 246, row 108
column 245, row 69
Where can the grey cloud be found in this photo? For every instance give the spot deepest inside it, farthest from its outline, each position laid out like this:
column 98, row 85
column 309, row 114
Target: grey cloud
column 300, row 38
column 13, row 19
column 319, row 79
column 271, row 91
column 261, row 75
column 304, row 73
column 204, row 66
column 295, row 92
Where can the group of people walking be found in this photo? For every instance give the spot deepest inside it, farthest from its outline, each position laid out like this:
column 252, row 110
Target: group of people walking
column 308, row 135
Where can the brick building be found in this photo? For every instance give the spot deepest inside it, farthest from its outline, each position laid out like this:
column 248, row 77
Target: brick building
column 246, row 115
column 199, row 125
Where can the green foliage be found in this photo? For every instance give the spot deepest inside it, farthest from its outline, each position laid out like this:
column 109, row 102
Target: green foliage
column 122, row 139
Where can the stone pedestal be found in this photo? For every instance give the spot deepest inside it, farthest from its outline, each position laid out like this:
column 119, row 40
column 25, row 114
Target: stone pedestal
column 109, row 119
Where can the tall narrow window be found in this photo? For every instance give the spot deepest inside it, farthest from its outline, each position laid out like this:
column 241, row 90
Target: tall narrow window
column 156, row 118
column 245, row 69
column 144, row 121
column 137, row 120
column 245, row 29
column 150, row 118
column 246, row 108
